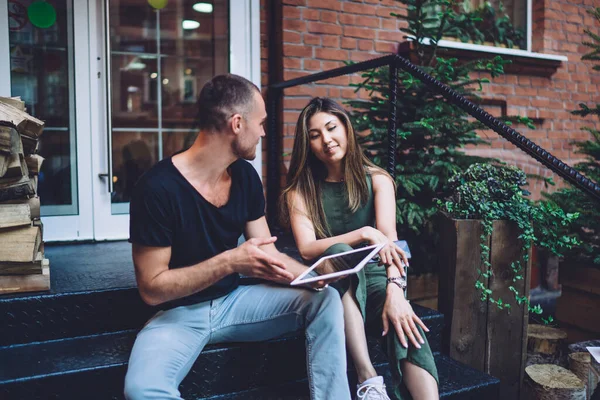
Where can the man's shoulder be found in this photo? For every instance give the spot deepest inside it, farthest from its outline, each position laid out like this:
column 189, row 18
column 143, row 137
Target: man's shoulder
column 244, row 170
column 157, row 178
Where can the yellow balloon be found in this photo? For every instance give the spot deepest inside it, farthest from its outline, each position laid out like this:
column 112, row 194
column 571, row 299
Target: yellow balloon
column 158, row 4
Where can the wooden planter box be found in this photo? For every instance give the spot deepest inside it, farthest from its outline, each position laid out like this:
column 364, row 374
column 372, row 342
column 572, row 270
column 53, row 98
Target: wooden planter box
column 478, row 333
column 577, row 307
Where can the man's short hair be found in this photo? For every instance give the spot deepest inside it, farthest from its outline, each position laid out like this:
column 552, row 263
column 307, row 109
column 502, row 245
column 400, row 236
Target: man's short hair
column 220, row 98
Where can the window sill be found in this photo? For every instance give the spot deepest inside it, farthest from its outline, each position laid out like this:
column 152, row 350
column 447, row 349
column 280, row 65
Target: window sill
column 523, row 62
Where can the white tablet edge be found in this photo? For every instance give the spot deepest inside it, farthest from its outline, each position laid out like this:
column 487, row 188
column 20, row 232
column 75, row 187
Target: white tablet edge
column 300, row 281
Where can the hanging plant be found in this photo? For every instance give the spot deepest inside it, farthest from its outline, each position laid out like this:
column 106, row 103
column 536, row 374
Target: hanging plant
column 489, row 192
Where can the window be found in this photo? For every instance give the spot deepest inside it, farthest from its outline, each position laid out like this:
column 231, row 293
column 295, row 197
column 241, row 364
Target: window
column 160, row 59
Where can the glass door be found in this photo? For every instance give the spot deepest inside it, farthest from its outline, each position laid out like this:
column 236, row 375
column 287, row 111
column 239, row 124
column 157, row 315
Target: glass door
column 42, row 71
column 158, row 60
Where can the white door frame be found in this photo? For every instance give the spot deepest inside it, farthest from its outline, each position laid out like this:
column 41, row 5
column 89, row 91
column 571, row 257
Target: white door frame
column 80, row 226
column 244, row 60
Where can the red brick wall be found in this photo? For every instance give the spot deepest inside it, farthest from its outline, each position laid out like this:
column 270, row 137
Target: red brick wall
column 320, row 34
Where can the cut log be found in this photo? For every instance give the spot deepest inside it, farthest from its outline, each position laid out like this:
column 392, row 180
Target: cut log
column 20, row 244
column 34, row 163
column 33, row 203
column 545, row 345
column 25, row 123
column 26, row 283
column 15, row 215
column 5, row 138
column 551, row 382
column 12, row 189
column 579, row 364
column 16, row 167
column 30, row 144
column 23, row 268
column 16, row 102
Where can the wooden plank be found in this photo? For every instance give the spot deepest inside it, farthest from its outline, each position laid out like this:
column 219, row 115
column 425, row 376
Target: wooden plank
column 14, row 101
column 33, row 203
column 26, row 283
column 14, row 215
column 34, row 163
column 465, row 314
column 20, row 244
column 21, row 268
column 582, row 278
column 13, row 189
column 506, row 331
column 25, row 123
column 579, row 308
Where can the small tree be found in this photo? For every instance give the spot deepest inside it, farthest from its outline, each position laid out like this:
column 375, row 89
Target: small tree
column 574, row 200
column 431, row 132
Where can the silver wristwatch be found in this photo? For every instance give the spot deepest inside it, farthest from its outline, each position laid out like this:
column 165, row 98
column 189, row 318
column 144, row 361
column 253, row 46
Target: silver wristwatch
column 398, row 280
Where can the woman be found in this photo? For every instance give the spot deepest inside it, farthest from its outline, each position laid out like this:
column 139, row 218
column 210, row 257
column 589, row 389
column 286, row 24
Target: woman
column 334, row 199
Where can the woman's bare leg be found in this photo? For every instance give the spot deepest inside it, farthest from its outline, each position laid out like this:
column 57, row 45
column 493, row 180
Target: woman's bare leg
column 356, row 339
column 420, row 383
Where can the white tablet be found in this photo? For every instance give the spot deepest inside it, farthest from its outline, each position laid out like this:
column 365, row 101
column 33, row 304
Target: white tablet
column 338, row 265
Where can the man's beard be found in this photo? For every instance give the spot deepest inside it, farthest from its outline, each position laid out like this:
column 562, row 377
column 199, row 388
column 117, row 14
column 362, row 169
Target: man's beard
column 240, row 151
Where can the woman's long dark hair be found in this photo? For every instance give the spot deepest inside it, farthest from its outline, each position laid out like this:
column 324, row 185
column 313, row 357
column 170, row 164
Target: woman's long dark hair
column 307, row 172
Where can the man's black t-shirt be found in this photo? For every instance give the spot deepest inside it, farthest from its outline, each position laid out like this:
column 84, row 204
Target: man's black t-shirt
column 166, row 210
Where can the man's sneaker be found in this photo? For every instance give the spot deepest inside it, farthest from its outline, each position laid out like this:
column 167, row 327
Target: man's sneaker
column 372, row 389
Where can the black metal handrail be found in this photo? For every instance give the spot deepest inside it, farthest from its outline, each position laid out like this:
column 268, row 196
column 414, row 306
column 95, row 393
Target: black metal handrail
column 394, row 62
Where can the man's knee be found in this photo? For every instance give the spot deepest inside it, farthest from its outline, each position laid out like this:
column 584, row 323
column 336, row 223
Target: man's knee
column 141, row 386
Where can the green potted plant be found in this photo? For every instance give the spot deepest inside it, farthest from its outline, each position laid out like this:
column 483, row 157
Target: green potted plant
column 488, row 227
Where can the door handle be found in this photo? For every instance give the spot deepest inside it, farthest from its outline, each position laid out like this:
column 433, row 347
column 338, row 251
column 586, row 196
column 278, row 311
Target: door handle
column 103, row 175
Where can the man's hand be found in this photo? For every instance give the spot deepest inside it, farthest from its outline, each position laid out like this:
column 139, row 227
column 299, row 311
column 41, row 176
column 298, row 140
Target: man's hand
column 400, row 314
column 249, row 260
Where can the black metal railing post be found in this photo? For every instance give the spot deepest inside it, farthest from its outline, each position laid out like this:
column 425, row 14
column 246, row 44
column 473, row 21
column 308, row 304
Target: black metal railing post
column 391, row 157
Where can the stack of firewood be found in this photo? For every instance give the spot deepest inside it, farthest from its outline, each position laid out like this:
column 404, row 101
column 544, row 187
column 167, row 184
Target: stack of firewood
column 23, row 267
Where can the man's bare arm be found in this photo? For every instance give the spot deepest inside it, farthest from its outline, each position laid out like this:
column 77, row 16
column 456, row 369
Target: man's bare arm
column 159, row 284
column 260, row 229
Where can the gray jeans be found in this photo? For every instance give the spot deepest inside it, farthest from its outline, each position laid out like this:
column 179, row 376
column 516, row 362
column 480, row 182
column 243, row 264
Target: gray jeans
column 167, row 347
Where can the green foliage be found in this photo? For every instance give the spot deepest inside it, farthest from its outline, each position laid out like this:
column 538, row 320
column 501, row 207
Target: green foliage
column 588, row 226
column 485, row 24
column 489, row 192
column 431, row 133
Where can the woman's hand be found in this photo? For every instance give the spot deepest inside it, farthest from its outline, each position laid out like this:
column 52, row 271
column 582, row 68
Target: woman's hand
column 390, row 254
column 400, row 314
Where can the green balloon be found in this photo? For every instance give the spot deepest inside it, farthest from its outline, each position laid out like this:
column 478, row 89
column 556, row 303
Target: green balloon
column 158, row 4
column 41, row 14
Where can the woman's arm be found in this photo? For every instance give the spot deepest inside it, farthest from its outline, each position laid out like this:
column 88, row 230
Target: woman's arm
column 397, row 312
column 304, row 233
column 385, row 220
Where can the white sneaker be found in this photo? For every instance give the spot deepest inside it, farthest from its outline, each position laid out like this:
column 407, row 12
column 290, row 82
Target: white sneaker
column 372, row 389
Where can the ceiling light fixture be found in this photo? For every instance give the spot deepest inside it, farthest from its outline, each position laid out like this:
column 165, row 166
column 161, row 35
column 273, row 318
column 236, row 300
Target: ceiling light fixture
column 189, row 24
column 206, row 8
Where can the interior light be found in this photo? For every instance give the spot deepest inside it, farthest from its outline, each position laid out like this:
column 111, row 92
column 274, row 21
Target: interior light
column 165, row 81
column 153, row 75
column 190, row 24
column 206, row 8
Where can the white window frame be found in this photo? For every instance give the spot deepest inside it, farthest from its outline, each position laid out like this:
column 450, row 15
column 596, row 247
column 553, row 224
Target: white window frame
column 526, row 53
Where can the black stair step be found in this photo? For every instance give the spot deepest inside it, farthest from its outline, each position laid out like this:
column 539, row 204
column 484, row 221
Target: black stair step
column 93, row 292
column 94, row 368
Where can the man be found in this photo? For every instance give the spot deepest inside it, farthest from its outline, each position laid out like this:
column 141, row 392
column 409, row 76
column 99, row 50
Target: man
column 187, row 213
